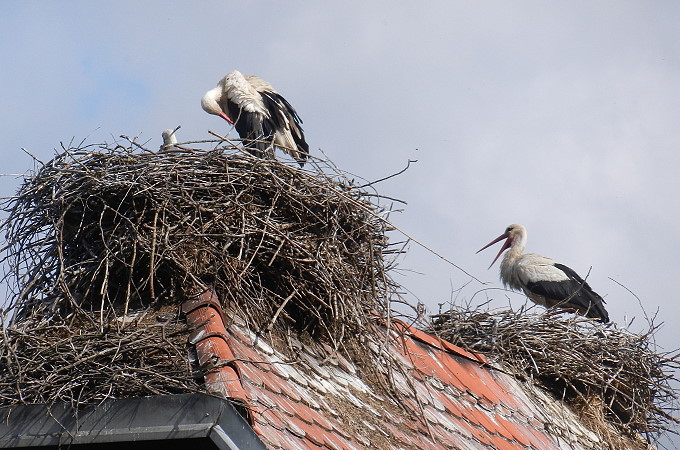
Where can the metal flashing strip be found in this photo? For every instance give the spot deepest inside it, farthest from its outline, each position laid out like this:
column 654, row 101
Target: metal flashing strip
column 158, row 418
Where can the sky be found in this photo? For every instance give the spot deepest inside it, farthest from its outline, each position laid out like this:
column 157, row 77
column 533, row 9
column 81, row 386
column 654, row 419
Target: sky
column 562, row 116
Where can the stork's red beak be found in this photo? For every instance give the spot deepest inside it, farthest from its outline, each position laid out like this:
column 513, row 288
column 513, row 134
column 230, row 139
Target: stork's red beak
column 225, row 117
column 505, row 246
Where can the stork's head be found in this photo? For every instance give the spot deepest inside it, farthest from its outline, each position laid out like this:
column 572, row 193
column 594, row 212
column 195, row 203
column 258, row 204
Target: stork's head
column 210, row 103
column 169, row 136
column 513, row 233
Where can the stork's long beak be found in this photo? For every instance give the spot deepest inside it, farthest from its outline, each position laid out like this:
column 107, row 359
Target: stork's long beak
column 225, row 117
column 505, row 246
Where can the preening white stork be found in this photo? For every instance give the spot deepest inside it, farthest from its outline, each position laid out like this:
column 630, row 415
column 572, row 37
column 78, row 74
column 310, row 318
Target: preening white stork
column 260, row 114
column 543, row 280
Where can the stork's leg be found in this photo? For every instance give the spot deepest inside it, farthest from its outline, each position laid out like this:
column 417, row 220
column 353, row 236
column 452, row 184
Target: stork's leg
column 557, row 310
column 257, row 146
column 269, row 152
column 254, row 149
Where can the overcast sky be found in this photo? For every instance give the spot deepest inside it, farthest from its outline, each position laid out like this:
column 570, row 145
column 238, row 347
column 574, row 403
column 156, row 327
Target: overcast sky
column 562, row 116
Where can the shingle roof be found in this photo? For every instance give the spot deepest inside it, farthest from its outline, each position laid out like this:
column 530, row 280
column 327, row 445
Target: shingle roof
column 464, row 402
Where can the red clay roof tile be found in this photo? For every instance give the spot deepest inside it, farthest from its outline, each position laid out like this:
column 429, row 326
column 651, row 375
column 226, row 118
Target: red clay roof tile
column 465, row 381
column 291, row 442
column 271, row 441
column 308, row 400
column 312, row 433
column 519, row 432
column 270, row 417
column 336, row 442
column 439, row 343
column 501, row 444
column 501, row 430
column 453, row 408
column 262, row 397
column 293, row 426
column 322, row 422
column 209, row 336
column 272, row 383
column 484, row 420
column 485, row 381
column 305, row 413
column 482, row 435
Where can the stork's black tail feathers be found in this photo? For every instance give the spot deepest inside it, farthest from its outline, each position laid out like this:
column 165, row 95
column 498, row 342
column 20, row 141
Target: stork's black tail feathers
column 587, row 302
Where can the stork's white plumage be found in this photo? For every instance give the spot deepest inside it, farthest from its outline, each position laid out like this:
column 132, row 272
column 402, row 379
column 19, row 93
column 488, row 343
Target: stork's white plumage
column 543, row 280
column 169, row 139
column 262, row 117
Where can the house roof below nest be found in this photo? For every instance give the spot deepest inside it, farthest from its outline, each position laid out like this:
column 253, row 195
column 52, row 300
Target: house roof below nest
column 445, row 397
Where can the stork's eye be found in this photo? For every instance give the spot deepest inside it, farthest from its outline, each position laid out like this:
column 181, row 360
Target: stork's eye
column 509, row 229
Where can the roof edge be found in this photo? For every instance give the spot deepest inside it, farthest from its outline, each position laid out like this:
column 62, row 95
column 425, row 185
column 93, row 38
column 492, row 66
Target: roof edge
column 437, row 342
column 163, row 417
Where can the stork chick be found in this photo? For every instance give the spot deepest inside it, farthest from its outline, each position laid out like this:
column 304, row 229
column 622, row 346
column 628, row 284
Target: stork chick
column 169, row 139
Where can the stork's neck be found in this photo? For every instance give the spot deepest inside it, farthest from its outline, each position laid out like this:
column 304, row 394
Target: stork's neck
column 508, row 273
column 210, row 101
column 519, row 242
column 511, row 255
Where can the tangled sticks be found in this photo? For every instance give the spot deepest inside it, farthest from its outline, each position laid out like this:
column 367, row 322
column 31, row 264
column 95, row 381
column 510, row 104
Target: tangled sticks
column 605, row 372
column 108, row 230
column 59, row 360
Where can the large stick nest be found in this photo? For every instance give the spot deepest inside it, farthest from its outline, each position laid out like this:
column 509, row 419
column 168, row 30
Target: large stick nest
column 605, row 372
column 102, row 231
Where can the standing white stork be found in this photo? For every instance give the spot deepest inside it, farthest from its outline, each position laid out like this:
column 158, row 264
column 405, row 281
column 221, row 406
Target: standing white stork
column 543, row 280
column 262, row 117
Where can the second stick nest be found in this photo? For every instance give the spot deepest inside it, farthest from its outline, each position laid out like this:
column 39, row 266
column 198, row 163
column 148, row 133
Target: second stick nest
column 610, row 374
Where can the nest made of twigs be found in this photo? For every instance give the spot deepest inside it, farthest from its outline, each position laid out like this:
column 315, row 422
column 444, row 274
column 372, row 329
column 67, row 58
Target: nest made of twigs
column 77, row 362
column 579, row 360
column 112, row 229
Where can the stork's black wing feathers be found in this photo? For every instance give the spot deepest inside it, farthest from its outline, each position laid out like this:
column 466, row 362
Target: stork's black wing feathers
column 281, row 110
column 281, row 104
column 275, row 120
column 251, row 127
column 572, row 293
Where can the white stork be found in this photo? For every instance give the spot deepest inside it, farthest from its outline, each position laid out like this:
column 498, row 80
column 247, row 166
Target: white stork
column 543, row 280
column 262, row 117
column 169, row 139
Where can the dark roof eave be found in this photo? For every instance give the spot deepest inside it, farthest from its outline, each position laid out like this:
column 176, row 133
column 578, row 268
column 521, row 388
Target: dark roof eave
column 166, row 417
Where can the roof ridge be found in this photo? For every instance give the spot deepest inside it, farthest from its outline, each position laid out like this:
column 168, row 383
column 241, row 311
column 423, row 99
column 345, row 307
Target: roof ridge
column 216, row 360
column 437, row 342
